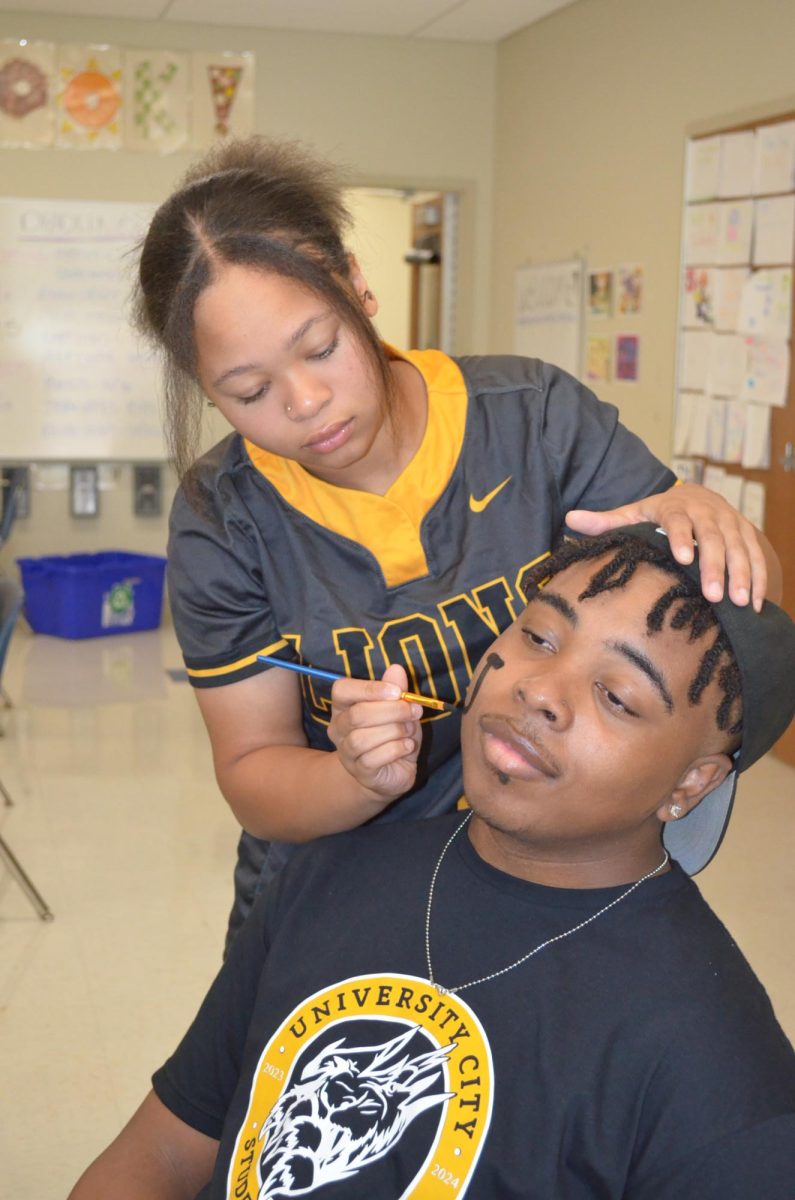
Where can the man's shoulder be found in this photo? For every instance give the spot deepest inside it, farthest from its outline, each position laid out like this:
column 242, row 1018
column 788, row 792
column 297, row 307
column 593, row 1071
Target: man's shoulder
column 383, row 857
column 383, row 843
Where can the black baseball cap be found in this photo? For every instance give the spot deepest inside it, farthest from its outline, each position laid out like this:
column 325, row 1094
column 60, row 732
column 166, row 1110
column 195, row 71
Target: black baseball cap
column 763, row 644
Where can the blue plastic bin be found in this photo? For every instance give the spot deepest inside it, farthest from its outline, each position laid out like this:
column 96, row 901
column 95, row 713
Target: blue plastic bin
column 93, row 595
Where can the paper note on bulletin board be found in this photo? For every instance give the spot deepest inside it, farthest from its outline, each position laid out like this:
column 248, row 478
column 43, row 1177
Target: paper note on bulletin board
column 75, row 381
column 548, row 313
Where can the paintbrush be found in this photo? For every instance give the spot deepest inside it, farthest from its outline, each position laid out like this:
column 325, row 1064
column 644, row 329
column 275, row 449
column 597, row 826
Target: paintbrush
column 331, row 676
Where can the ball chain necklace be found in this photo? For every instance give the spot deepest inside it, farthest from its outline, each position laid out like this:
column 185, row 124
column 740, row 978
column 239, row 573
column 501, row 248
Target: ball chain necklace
column 444, row 991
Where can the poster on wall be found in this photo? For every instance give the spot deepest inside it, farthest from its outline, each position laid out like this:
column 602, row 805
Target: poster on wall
column 75, row 382
column 89, row 98
column 548, row 312
column 629, row 290
column 223, row 96
column 26, row 73
column 627, row 357
column 597, row 359
column 600, row 293
column 698, row 302
column 156, row 100
column 774, row 166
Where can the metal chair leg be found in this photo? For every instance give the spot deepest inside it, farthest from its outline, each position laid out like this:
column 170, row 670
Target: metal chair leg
column 24, row 880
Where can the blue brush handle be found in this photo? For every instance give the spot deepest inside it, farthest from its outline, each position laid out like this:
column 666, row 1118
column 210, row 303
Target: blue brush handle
column 299, row 668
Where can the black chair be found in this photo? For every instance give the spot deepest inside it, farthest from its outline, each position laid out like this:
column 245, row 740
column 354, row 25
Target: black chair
column 11, row 600
column 9, row 512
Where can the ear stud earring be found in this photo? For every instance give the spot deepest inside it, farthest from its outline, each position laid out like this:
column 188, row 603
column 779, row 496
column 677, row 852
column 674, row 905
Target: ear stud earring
column 675, row 810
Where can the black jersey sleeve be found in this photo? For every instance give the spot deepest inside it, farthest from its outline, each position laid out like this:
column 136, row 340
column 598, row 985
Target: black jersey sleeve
column 216, row 588
column 597, row 462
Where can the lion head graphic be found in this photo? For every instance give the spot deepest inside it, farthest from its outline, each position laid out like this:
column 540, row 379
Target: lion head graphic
column 348, row 1107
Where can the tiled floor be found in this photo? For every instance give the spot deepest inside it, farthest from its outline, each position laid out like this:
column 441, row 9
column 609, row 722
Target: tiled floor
column 118, row 819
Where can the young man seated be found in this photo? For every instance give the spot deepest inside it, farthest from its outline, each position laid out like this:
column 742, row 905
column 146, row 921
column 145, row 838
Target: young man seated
column 529, row 999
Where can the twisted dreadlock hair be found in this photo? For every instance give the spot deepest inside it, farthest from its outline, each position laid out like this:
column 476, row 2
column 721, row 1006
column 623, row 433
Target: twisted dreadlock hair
column 689, row 609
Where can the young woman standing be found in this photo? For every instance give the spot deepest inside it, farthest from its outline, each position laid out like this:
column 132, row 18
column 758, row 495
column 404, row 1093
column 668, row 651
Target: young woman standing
column 362, row 515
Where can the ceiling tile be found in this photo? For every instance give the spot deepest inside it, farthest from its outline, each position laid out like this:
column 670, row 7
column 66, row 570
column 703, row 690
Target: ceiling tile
column 145, row 10
column 464, row 20
column 489, row 20
column 384, row 17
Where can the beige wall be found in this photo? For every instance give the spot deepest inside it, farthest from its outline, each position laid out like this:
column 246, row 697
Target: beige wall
column 381, row 236
column 393, row 112
column 593, row 106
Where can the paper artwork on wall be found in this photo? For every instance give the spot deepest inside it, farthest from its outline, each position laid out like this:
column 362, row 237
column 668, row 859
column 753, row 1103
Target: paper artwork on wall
column 756, row 447
column 774, row 230
column 729, row 283
column 702, row 410
column 689, row 470
column 734, row 432
column 597, row 358
column 223, row 96
column 89, row 98
column 726, row 364
column 156, row 107
column 703, row 168
column 752, row 504
column 735, row 228
column 600, row 293
column 26, row 74
column 683, row 420
column 548, row 313
column 766, row 379
column 694, row 359
column 701, row 233
column 737, row 163
column 716, row 429
column 774, row 167
column 766, row 304
column 627, row 357
column 698, row 308
column 629, row 290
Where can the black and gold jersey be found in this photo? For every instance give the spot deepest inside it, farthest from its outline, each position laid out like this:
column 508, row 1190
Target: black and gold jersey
column 280, row 562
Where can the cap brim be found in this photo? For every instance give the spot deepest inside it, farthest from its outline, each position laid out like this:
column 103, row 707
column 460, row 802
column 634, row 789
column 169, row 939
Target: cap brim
column 694, row 840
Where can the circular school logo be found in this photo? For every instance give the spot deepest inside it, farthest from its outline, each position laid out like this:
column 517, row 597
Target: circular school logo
column 379, row 1085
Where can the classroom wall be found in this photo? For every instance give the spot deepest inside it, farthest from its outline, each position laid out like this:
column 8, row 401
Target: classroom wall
column 392, row 111
column 380, row 237
column 593, row 106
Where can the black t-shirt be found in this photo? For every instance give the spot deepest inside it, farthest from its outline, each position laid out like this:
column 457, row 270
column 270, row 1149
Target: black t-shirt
column 638, row 1058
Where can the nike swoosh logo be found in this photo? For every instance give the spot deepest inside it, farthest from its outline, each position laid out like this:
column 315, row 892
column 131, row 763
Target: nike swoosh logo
column 478, row 505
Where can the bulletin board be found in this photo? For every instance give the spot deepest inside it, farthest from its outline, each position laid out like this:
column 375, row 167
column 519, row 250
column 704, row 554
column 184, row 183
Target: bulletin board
column 735, row 413
column 75, row 382
column 548, row 313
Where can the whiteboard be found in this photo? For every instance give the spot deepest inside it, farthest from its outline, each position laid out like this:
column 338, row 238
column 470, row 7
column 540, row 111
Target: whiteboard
column 75, row 381
column 548, row 313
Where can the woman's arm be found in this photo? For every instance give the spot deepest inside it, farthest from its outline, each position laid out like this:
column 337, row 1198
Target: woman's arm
column 155, row 1157
column 726, row 540
column 279, row 788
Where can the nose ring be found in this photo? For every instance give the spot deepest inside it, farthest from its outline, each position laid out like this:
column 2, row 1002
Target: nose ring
column 289, row 409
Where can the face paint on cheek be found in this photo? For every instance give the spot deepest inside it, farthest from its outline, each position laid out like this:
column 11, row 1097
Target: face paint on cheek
column 493, row 662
